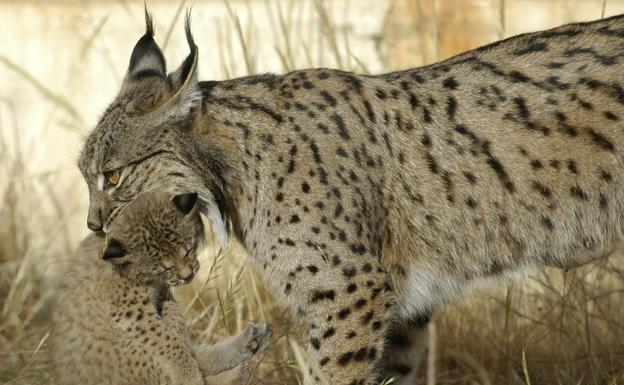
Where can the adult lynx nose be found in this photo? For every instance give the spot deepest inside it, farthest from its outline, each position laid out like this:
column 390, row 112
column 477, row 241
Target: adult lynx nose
column 94, row 226
column 94, row 219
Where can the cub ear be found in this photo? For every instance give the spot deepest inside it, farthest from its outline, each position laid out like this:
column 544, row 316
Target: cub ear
column 185, row 202
column 114, row 250
column 147, row 59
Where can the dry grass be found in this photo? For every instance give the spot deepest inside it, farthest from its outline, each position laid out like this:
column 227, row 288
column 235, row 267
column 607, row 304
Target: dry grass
column 552, row 328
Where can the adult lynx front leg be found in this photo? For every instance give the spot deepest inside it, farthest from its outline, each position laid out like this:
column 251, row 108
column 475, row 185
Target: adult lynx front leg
column 343, row 298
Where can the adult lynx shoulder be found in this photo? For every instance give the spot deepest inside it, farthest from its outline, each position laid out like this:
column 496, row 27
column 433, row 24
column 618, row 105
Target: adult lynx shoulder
column 370, row 201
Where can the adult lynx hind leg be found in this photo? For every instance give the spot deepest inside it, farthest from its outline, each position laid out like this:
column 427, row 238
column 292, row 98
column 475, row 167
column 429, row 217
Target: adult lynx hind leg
column 406, row 342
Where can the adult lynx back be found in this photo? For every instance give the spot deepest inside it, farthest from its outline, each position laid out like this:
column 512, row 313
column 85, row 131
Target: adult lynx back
column 370, row 201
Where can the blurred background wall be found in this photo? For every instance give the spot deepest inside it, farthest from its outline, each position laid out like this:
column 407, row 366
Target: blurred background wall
column 62, row 61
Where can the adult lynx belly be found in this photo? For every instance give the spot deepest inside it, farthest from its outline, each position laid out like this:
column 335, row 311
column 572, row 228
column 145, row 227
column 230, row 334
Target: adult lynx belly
column 516, row 161
column 368, row 201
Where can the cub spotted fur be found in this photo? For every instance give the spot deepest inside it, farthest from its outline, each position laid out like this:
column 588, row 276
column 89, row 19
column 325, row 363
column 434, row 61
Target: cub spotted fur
column 370, row 201
column 114, row 320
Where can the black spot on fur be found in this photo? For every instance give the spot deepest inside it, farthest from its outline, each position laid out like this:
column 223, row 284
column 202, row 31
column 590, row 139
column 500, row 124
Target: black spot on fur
column 450, row 83
column 522, row 107
column 342, row 128
column 319, row 295
column 329, row 332
column 345, row 358
column 544, row 190
column 451, row 107
column 519, row 77
column 547, row 222
column 601, row 140
column 578, row 192
column 328, row 98
column 533, row 47
column 470, row 202
column 344, row 313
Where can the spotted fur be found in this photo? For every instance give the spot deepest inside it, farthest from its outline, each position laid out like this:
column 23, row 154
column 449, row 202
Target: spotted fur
column 370, row 201
column 114, row 320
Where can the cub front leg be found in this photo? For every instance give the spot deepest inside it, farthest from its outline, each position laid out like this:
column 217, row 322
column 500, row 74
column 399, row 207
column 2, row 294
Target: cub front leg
column 236, row 376
column 343, row 297
column 233, row 351
column 167, row 343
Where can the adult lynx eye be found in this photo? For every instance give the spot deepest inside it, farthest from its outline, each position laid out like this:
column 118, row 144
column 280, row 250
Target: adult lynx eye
column 112, row 177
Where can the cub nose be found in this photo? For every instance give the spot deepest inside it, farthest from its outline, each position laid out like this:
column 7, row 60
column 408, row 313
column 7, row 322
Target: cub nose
column 189, row 277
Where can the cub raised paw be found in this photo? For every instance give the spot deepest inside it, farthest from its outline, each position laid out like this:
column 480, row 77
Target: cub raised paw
column 258, row 337
column 233, row 351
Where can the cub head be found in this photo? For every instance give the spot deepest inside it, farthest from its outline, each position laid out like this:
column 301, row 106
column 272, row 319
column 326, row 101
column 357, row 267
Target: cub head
column 143, row 142
column 155, row 239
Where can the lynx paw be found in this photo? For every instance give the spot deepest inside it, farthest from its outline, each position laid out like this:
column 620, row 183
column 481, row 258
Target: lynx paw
column 257, row 337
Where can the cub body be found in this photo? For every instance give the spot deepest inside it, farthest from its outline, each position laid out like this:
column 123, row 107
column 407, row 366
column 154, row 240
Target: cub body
column 114, row 320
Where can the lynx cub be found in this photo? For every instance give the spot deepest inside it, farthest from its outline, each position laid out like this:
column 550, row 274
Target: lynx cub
column 114, row 320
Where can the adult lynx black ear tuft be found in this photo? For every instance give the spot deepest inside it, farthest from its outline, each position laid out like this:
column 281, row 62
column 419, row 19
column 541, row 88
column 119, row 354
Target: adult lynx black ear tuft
column 183, row 84
column 114, row 250
column 147, row 59
column 184, row 74
column 185, row 202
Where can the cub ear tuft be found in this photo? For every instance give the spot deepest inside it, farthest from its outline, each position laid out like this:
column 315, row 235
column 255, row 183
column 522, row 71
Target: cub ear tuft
column 185, row 202
column 114, row 250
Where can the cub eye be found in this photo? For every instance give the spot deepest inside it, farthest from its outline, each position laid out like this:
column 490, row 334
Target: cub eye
column 112, row 177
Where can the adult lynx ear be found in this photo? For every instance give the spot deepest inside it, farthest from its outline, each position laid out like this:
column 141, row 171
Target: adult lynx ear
column 147, row 59
column 183, row 83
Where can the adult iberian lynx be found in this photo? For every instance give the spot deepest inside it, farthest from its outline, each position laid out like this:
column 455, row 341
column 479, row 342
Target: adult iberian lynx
column 369, row 201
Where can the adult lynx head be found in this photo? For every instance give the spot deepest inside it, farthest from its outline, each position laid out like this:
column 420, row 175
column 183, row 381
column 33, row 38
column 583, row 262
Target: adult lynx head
column 155, row 238
column 144, row 142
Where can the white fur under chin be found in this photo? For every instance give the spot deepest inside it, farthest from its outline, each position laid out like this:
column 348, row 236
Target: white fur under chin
column 210, row 209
